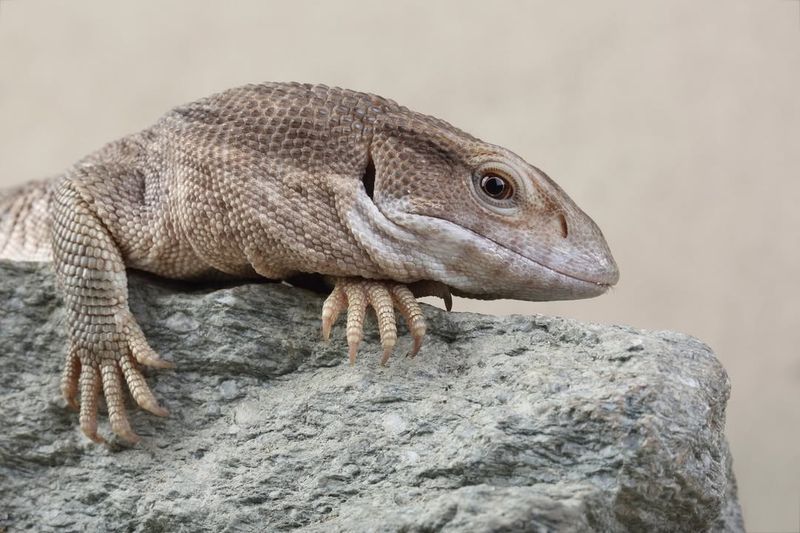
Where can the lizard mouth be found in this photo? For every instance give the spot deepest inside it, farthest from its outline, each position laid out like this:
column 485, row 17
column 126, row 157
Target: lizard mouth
column 607, row 279
column 604, row 283
column 551, row 283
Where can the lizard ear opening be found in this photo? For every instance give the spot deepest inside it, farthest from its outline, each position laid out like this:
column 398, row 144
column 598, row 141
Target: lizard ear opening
column 368, row 178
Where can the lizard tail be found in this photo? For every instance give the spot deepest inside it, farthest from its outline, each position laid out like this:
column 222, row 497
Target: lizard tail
column 25, row 222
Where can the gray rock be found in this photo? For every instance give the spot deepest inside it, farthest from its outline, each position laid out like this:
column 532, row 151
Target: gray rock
column 501, row 424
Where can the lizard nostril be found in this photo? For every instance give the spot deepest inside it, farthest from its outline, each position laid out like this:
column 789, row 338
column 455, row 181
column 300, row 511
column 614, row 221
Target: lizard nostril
column 562, row 220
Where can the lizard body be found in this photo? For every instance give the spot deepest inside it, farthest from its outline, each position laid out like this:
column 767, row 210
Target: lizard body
column 277, row 180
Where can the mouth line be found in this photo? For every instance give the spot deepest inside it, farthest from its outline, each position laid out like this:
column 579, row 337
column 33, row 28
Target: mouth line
column 526, row 258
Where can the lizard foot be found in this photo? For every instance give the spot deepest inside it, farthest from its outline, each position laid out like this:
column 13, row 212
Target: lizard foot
column 98, row 365
column 384, row 296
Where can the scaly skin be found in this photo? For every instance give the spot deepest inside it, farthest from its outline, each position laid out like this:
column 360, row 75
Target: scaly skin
column 277, row 180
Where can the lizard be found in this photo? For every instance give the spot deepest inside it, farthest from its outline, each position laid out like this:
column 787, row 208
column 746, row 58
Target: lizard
column 279, row 180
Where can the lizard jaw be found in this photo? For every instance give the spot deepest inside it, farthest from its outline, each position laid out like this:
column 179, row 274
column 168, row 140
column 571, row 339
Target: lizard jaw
column 481, row 268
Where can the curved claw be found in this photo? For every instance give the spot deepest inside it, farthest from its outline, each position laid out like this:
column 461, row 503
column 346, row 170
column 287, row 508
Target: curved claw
column 448, row 301
column 433, row 288
column 417, row 345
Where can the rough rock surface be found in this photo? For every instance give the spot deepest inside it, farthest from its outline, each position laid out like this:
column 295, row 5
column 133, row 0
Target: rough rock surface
column 501, row 424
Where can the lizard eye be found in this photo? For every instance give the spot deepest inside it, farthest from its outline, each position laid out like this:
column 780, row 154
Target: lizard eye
column 496, row 186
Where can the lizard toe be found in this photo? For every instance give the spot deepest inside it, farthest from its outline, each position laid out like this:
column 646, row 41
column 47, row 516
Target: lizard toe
column 69, row 379
column 112, row 389
column 90, row 389
column 333, row 306
column 139, row 389
column 409, row 307
column 381, row 301
column 141, row 350
column 356, row 312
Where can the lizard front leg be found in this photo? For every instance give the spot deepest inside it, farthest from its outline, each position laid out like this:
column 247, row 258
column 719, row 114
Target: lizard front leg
column 106, row 345
column 355, row 295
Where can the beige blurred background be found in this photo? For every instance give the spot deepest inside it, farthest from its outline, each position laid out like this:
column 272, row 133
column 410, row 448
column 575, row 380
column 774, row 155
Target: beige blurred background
column 675, row 124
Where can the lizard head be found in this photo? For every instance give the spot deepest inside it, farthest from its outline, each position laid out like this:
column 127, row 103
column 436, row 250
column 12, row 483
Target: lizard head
column 484, row 221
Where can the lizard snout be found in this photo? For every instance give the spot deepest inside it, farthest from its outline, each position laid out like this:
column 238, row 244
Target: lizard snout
column 588, row 257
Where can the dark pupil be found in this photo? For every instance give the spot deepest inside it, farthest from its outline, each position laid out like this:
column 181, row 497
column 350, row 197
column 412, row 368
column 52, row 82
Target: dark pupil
column 493, row 185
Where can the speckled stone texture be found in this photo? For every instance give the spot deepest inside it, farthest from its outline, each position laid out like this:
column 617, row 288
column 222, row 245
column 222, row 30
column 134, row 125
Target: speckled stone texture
column 501, row 424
